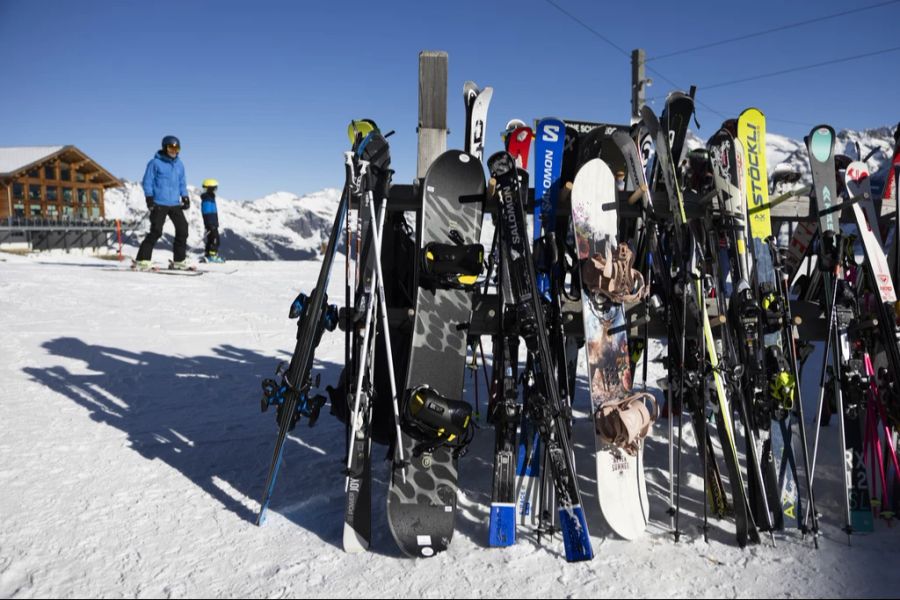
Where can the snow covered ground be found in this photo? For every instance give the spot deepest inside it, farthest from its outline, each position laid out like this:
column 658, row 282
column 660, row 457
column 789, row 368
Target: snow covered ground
column 133, row 454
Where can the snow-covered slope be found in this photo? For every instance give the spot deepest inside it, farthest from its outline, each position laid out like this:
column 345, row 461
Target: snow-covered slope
column 133, row 455
column 278, row 226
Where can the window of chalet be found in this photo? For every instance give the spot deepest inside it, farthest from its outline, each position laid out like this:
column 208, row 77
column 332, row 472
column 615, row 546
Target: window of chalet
column 82, row 195
column 79, row 177
column 34, row 173
column 95, row 211
column 50, row 171
column 35, row 210
column 34, row 192
column 18, row 191
column 67, row 210
column 83, row 211
column 51, row 211
column 65, row 171
column 67, row 195
column 52, row 193
column 95, row 196
column 19, row 209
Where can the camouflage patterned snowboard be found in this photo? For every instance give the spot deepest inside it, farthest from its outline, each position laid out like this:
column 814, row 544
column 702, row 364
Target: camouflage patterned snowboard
column 422, row 494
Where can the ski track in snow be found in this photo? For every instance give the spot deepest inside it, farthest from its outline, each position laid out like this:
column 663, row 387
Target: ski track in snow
column 133, row 456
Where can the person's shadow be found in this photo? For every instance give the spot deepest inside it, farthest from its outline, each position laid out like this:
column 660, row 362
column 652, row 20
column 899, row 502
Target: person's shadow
column 200, row 415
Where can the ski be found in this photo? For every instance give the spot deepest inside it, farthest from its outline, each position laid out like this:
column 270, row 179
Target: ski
column 372, row 156
column 838, row 299
column 746, row 528
column 477, row 102
column 292, row 394
column 544, row 406
column 778, row 391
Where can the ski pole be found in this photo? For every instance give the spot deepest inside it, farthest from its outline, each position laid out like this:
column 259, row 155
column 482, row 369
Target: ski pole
column 348, row 368
column 355, row 417
column 386, row 332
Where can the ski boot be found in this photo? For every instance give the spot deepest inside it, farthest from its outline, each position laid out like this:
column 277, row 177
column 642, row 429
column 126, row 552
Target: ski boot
column 142, row 265
column 181, row 265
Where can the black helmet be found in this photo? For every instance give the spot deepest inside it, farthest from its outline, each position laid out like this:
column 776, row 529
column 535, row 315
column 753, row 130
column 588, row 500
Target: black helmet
column 170, row 140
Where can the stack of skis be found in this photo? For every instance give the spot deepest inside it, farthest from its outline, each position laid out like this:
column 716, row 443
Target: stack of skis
column 632, row 237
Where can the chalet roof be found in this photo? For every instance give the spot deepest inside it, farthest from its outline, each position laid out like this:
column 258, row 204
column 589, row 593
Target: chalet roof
column 16, row 160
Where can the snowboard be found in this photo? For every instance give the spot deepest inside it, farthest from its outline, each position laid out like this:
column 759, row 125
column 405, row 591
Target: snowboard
column 421, row 503
column 193, row 271
column 621, row 486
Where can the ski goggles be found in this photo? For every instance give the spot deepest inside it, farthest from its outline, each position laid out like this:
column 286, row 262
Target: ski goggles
column 174, row 147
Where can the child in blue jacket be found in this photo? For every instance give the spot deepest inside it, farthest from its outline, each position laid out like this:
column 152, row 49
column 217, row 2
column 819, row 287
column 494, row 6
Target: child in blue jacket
column 211, row 220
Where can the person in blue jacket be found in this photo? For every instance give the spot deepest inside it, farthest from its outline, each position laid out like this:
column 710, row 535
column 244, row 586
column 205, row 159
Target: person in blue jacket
column 210, row 220
column 165, row 189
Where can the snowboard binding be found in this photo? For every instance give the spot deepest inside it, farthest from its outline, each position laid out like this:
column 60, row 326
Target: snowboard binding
column 437, row 421
column 613, row 276
column 454, row 266
column 626, row 422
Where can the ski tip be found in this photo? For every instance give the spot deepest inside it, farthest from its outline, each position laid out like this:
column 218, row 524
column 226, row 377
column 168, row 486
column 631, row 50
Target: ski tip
column 354, row 542
column 576, row 538
column 502, row 530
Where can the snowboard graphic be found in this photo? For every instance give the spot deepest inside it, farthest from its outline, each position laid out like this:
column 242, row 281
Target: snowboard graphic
column 422, row 493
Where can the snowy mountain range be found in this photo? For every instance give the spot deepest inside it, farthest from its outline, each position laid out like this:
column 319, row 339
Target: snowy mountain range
column 784, row 153
column 285, row 226
column 279, row 226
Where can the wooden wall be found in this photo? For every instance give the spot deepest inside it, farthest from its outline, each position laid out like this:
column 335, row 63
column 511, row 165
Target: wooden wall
column 54, row 208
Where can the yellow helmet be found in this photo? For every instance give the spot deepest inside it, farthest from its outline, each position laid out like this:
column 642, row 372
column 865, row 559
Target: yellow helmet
column 208, row 183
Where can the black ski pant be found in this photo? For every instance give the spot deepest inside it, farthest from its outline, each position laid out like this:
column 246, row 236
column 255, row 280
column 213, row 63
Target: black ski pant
column 212, row 241
column 157, row 220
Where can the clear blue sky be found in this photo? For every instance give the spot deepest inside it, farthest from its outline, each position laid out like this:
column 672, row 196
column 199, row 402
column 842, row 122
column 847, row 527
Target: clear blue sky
column 260, row 92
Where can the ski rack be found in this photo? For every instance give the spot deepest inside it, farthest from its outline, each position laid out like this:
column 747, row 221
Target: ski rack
column 408, row 198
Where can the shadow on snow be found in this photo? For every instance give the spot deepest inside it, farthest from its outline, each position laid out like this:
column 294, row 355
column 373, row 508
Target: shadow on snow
column 200, row 415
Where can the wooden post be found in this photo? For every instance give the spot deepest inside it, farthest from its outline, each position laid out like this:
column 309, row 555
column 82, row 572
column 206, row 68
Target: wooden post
column 638, row 82
column 432, row 108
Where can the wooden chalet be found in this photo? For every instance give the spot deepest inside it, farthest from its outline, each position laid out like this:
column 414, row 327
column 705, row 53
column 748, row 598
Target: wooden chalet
column 52, row 182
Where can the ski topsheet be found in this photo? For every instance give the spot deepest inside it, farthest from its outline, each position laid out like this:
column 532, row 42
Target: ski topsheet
column 548, row 149
column 780, row 390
